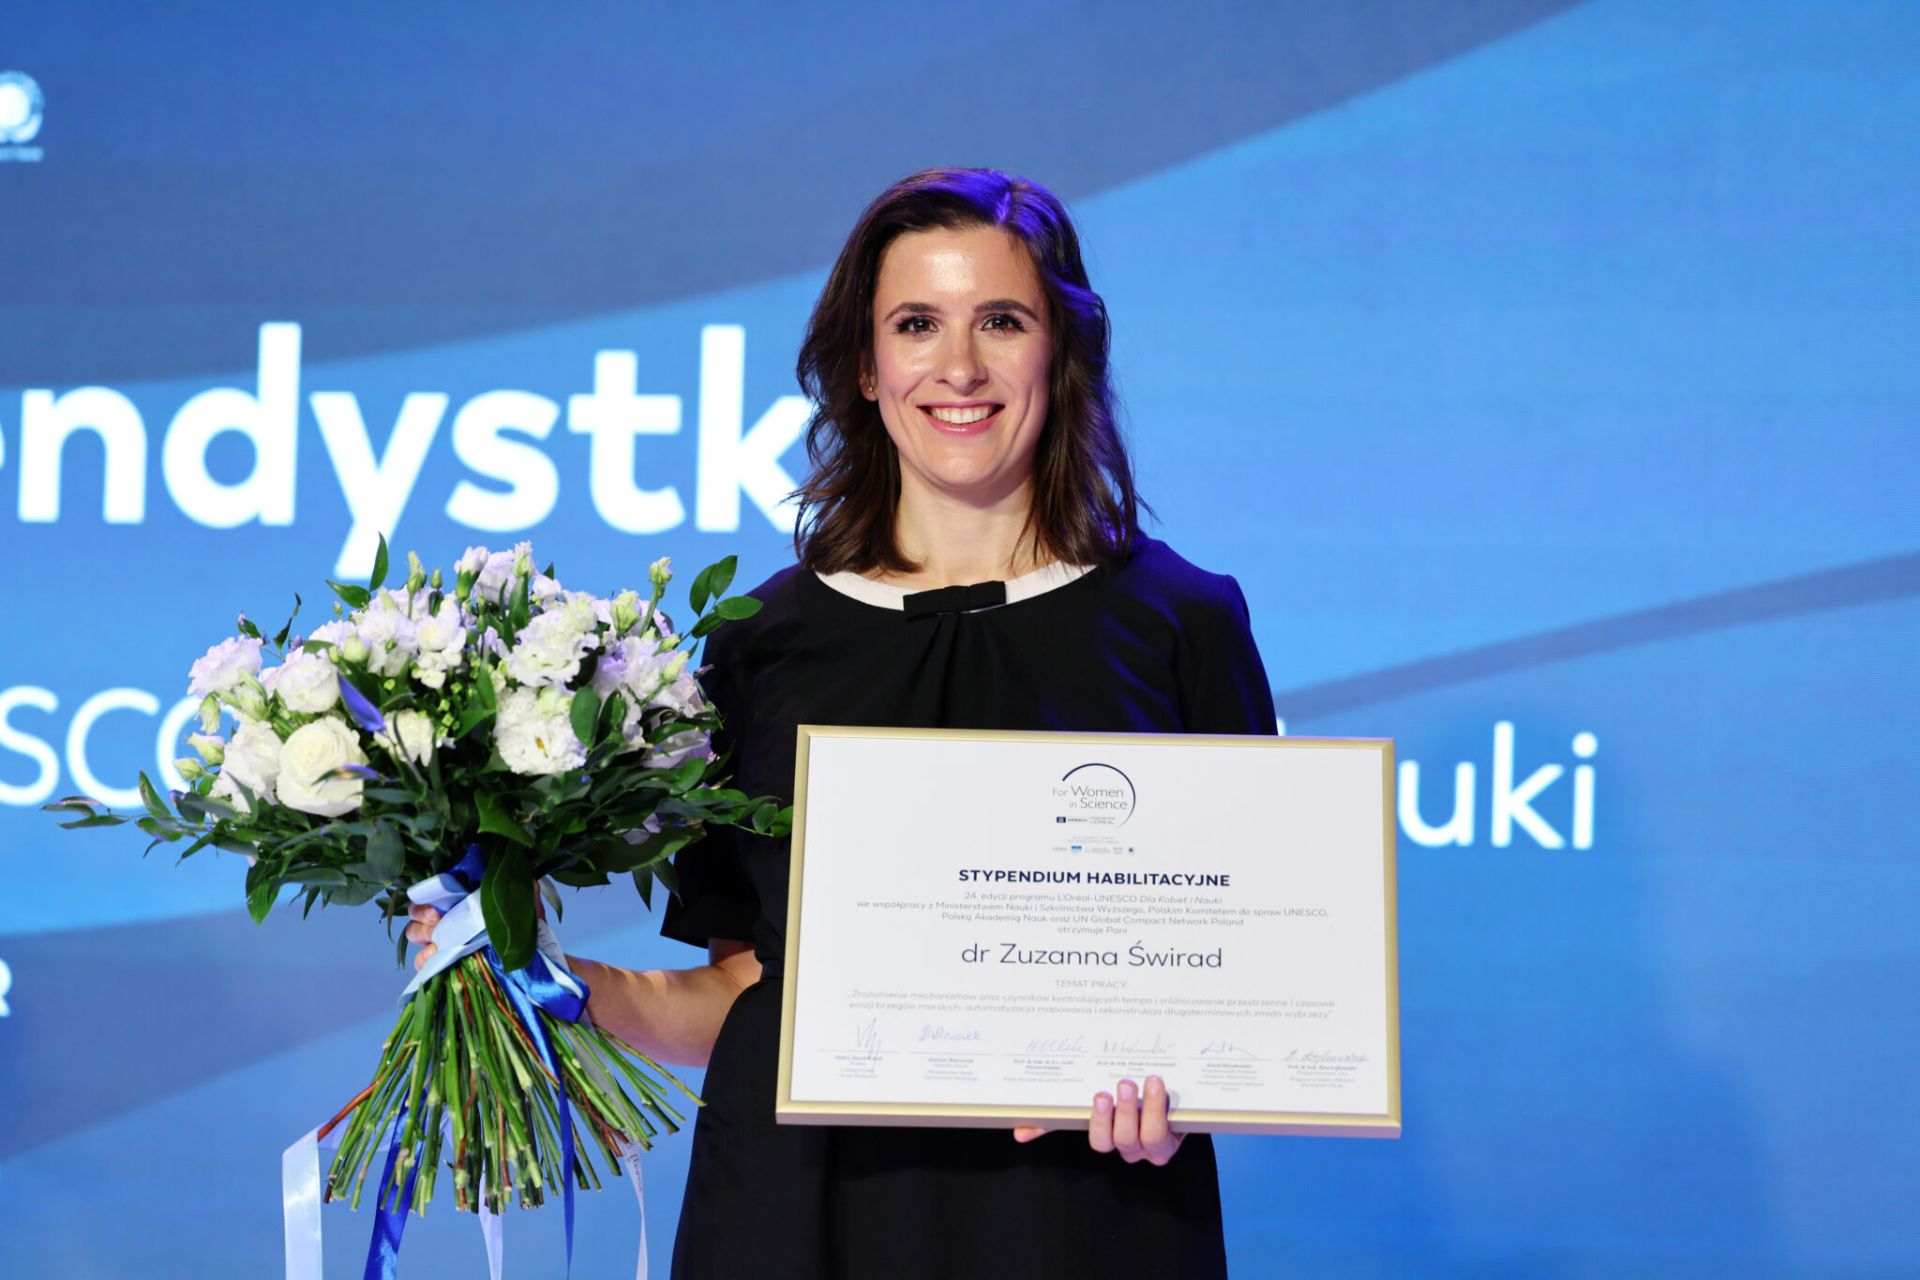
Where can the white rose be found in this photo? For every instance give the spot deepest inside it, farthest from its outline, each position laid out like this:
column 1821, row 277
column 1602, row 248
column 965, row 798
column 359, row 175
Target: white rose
column 307, row 682
column 225, row 666
column 534, row 732
column 310, row 753
column 253, row 758
column 409, row 734
column 549, row 648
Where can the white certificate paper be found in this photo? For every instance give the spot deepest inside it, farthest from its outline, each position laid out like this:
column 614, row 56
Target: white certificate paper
column 985, row 928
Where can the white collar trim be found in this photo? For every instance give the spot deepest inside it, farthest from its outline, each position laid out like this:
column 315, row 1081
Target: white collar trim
column 886, row 595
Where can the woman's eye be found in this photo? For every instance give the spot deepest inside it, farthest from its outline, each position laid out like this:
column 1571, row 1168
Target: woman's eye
column 913, row 324
column 1011, row 321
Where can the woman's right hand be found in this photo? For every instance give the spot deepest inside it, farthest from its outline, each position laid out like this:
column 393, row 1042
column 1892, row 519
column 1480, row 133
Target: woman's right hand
column 421, row 931
column 424, row 918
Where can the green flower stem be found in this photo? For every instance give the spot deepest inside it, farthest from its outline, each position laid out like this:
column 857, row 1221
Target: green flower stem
column 479, row 1096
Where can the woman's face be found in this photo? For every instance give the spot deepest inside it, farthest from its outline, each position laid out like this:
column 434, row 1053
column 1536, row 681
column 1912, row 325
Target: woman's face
column 962, row 353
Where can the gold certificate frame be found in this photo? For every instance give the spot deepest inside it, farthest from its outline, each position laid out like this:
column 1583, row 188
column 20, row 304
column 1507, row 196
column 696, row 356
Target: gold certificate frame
column 983, row 926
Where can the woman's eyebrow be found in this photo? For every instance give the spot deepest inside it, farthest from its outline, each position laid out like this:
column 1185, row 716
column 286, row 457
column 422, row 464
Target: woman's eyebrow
column 995, row 304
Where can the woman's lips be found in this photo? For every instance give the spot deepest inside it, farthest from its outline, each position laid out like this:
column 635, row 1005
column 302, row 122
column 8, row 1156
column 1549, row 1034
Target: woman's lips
column 962, row 428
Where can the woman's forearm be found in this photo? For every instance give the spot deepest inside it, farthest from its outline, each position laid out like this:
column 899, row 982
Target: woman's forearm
column 671, row 1015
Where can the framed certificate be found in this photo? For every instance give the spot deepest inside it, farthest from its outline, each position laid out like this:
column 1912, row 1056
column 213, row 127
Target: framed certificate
column 985, row 927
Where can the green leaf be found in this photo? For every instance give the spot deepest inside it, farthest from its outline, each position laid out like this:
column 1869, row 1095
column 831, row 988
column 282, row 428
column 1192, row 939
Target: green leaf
column 262, row 889
column 246, row 627
column 386, row 857
column 97, row 820
column 166, row 831
column 643, row 885
column 150, row 797
column 585, row 710
column 351, row 596
column 506, row 903
column 280, row 636
column 688, row 774
column 549, row 890
column 737, row 607
column 318, row 877
column 707, row 625
column 720, row 574
column 495, row 819
column 615, row 718
column 698, row 591
column 71, row 804
column 204, row 809
column 379, row 576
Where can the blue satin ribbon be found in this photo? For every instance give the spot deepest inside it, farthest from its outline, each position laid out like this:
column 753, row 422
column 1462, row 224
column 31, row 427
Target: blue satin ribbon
column 390, row 1216
column 529, row 989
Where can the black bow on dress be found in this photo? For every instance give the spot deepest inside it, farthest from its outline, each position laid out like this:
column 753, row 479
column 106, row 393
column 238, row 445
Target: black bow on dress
column 980, row 595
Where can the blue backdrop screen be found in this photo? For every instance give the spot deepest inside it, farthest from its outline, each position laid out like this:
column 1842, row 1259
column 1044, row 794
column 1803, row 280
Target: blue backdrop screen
column 1543, row 371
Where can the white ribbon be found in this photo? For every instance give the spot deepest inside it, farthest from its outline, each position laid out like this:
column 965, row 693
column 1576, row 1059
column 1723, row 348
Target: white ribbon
column 461, row 932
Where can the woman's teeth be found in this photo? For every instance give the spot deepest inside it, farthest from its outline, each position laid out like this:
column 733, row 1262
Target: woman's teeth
column 962, row 417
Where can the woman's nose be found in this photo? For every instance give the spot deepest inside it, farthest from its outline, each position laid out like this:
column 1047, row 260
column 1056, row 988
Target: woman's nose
column 962, row 370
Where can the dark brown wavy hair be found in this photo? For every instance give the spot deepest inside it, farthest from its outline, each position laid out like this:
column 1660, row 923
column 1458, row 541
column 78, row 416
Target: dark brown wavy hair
column 1085, row 509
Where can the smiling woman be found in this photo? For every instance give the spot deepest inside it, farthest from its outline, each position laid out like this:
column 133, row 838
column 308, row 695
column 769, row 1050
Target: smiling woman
column 969, row 557
column 959, row 352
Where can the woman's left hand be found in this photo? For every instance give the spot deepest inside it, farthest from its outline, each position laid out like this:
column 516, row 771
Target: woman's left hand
column 1129, row 1120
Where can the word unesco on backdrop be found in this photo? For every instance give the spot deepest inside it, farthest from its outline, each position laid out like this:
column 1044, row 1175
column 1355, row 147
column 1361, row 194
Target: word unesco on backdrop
column 495, row 435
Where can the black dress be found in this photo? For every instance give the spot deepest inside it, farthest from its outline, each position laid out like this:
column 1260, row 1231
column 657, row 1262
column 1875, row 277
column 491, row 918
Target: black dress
column 1153, row 646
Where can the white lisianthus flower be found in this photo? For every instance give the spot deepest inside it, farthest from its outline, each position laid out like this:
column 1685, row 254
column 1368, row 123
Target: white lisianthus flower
column 496, row 575
column 473, row 560
column 678, row 749
column 409, row 734
column 225, row 665
column 411, row 606
column 310, row 753
column 211, row 746
column 224, row 789
column 253, row 758
column 442, row 637
column 545, row 590
column 632, row 667
column 549, row 648
column 534, row 732
column 660, row 572
column 680, row 692
column 623, row 612
column 332, row 633
column 391, row 640
column 307, row 682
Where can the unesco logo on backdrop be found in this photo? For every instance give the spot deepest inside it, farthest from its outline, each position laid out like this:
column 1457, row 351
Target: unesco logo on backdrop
column 21, row 109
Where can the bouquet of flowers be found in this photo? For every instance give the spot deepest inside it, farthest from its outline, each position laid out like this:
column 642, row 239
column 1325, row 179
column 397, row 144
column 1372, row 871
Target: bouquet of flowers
column 467, row 747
